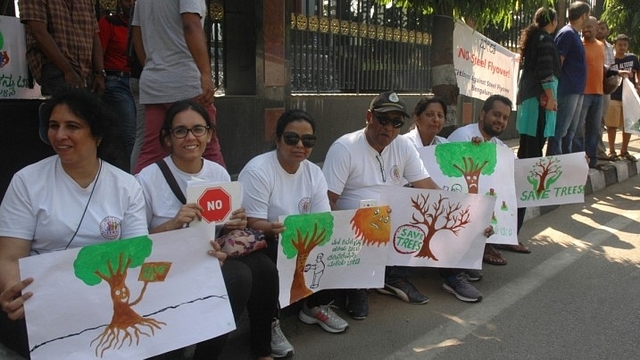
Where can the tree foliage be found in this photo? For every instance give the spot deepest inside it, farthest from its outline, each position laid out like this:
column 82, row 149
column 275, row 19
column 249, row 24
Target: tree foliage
column 98, row 258
column 623, row 17
column 306, row 231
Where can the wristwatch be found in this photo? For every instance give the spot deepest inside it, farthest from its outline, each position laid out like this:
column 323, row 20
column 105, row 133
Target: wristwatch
column 100, row 72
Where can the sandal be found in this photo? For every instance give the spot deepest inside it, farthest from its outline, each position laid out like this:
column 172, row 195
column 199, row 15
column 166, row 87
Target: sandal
column 628, row 156
column 492, row 256
column 520, row 248
column 612, row 157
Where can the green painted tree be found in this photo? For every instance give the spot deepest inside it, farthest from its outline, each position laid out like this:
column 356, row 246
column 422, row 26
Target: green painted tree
column 303, row 233
column 468, row 160
column 110, row 262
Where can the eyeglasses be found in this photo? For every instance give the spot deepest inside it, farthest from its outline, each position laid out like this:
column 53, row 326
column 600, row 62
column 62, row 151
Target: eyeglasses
column 292, row 139
column 182, row 132
column 385, row 120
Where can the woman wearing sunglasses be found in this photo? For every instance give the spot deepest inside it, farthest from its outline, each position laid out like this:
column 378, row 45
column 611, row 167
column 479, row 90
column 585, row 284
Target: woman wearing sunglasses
column 252, row 279
column 284, row 182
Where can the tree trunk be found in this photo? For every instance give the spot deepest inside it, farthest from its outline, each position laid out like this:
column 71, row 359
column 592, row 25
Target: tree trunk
column 425, row 250
column 443, row 76
column 299, row 289
column 541, row 185
column 472, row 178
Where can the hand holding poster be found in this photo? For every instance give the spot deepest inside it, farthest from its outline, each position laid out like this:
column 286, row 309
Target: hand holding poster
column 126, row 299
column 551, row 180
column 333, row 250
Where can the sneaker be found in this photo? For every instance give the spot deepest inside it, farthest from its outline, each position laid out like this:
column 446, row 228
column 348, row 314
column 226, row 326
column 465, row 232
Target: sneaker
column 404, row 290
column 358, row 303
column 460, row 287
column 473, row 275
column 280, row 346
column 324, row 316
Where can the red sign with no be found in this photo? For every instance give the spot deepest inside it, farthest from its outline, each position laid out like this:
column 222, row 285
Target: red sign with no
column 216, row 204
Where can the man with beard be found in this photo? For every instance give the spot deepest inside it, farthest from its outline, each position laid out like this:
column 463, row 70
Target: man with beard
column 492, row 121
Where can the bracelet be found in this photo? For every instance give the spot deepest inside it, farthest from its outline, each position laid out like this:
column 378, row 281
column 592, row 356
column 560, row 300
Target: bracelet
column 100, row 72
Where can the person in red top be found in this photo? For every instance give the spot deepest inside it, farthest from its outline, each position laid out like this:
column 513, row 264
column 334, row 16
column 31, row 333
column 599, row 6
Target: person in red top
column 114, row 38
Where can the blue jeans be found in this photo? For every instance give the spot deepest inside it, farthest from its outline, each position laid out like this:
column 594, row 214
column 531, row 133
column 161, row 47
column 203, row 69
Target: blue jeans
column 569, row 107
column 591, row 114
column 117, row 94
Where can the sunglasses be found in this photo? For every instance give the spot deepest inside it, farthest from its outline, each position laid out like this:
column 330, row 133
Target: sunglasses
column 385, row 120
column 292, row 139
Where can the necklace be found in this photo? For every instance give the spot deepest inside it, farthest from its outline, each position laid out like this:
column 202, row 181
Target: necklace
column 93, row 188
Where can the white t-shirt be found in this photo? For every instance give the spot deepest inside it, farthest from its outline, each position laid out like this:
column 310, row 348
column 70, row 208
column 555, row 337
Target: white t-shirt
column 414, row 136
column 45, row 205
column 468, row 132
column 161, row 203
column 170, row 72
column 270, row 191
column 354, row 169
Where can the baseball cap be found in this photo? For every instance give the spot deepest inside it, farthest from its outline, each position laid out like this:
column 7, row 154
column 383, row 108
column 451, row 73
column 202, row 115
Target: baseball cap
column 388, row 101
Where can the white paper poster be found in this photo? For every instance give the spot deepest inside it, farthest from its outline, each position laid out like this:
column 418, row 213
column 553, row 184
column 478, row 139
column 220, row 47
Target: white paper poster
column 333, row 250
column 630, row 107
column 551, row 180
column 478, row 169
column 14, row 76
column 437, row 228
column 483, row 67
column 127, row 299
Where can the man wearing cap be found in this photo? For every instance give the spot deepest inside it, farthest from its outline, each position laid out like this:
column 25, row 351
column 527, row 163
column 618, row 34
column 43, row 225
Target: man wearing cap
column 360, row 161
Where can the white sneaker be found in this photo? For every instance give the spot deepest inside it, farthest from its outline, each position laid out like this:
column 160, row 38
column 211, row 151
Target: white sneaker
column 280, row 346
column 324, row 316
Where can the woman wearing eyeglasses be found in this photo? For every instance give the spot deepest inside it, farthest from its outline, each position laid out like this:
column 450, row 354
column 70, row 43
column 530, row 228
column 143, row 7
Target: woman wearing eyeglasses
column 284, row 182
column 252, row 279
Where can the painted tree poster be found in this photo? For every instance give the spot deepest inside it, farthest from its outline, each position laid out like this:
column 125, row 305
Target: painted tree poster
column 126, row 299
column 437, row 228
column 478, row 169
column 333, row 250
column 551, row 180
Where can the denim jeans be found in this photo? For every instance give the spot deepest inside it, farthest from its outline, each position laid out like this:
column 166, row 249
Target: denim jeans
column 135, row 90
column 569, row 107
column 591, row 114
column 117, row 94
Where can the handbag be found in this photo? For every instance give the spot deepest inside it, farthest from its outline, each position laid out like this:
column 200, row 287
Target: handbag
column 610, row 83
column 235, row 243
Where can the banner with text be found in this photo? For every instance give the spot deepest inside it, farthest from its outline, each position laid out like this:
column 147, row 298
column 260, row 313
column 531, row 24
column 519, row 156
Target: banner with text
column 551, row 180
column 14, row 76
column 483, row 67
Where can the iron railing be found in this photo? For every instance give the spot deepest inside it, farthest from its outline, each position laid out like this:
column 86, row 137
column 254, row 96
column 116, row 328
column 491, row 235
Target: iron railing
column 354, row 46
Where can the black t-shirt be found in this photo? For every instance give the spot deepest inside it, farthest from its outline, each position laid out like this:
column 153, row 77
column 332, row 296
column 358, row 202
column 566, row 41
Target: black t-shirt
column 630, row 63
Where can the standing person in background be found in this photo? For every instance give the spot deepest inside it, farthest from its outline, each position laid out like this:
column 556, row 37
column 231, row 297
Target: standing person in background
column 169, row 39
column 602, row 33
column 614, row 120
column 114, row 37
column 572, row 79
column 63, row 47
column 538, row 85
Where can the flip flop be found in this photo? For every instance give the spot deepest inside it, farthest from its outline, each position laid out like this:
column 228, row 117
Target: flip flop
column 493, row 259
column 514, row 248
column 492, row 256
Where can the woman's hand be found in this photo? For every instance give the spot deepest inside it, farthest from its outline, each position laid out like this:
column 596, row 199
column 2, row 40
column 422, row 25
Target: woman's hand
column 186, row 215
column 477, row 140
column 12, row 299
column 215, row 252
column 277, row 227
column 551, row 104
column 238, row 221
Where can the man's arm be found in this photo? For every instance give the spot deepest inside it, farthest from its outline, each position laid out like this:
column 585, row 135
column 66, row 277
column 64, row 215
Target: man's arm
column 53, row 53
column 138, row 45
column 333, row 200
column 426, row 183
column 197, row 44
column 97, row 59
